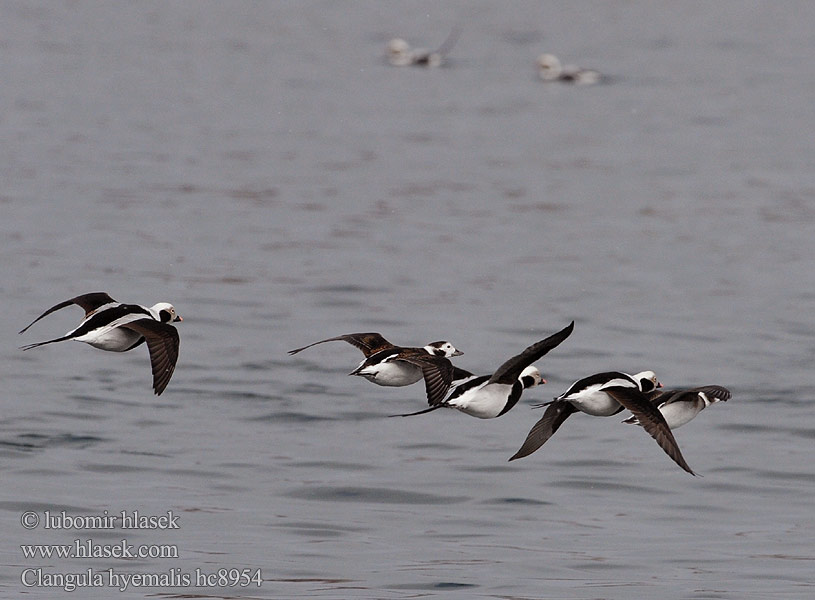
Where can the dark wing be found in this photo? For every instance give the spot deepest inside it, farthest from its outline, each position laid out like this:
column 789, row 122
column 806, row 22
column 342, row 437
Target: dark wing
column 369, row 343
column 459, row 374
column 659, row 395
column 162, row 341
column 89, row 302
column 651, row 419
column 714, row 391
column 599, row 380
column 554, row 416
column 509, row 372
column 437, row 380
column 711, row 391
column 438, row 374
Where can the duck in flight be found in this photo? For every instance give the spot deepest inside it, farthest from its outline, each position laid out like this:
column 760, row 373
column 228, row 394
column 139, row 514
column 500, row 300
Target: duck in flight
column 603, row 395
column 395, row 366
column 489, row 396
column 681, row 406
column 116, row 327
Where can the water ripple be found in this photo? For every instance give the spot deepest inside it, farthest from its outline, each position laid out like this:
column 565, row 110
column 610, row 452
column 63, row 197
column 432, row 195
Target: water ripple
column 37, row 441
column 371, row 494
column 518, row 501
column 332, row 466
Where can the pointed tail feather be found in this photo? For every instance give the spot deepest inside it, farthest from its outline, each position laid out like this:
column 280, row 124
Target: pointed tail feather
column 421, row 412
column 30, row 346
column 542, row 404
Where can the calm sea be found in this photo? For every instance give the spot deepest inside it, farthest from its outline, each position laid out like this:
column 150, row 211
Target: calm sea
column 260, row 166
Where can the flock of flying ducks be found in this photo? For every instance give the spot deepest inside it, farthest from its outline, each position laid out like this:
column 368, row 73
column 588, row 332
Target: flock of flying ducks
column 400, row 54
column 117, row 327
column 492, row 395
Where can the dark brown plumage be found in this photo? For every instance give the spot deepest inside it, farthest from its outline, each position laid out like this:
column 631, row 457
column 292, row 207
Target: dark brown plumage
column 368, row 343
column 162, row 342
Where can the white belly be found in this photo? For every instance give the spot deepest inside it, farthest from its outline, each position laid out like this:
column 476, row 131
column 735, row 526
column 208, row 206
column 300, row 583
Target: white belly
column 113, row 340
column 393, row 374
column 597, row 404
column 678, row 413
column 485, row 402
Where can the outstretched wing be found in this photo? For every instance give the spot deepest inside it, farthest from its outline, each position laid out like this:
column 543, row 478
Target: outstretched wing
column 509, row 372
column 89, row 302
column 369, row 343
column 651, row 419
column 438, row 373
column 711, row 391
column 461, row 374
column 669, row 396
column 554, row 416
column 162, row 341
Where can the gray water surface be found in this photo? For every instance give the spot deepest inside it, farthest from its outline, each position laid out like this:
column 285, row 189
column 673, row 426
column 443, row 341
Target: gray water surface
column 261, row 166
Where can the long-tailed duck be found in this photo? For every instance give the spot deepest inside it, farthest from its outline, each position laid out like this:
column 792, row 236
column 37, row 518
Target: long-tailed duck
column 116, row 327
column 490, row 396
column 603, row 395
column 681, row 406
column 550, row 69
column 584, row 395
column 393, row 366
column 588, row 394
column 400, row 54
